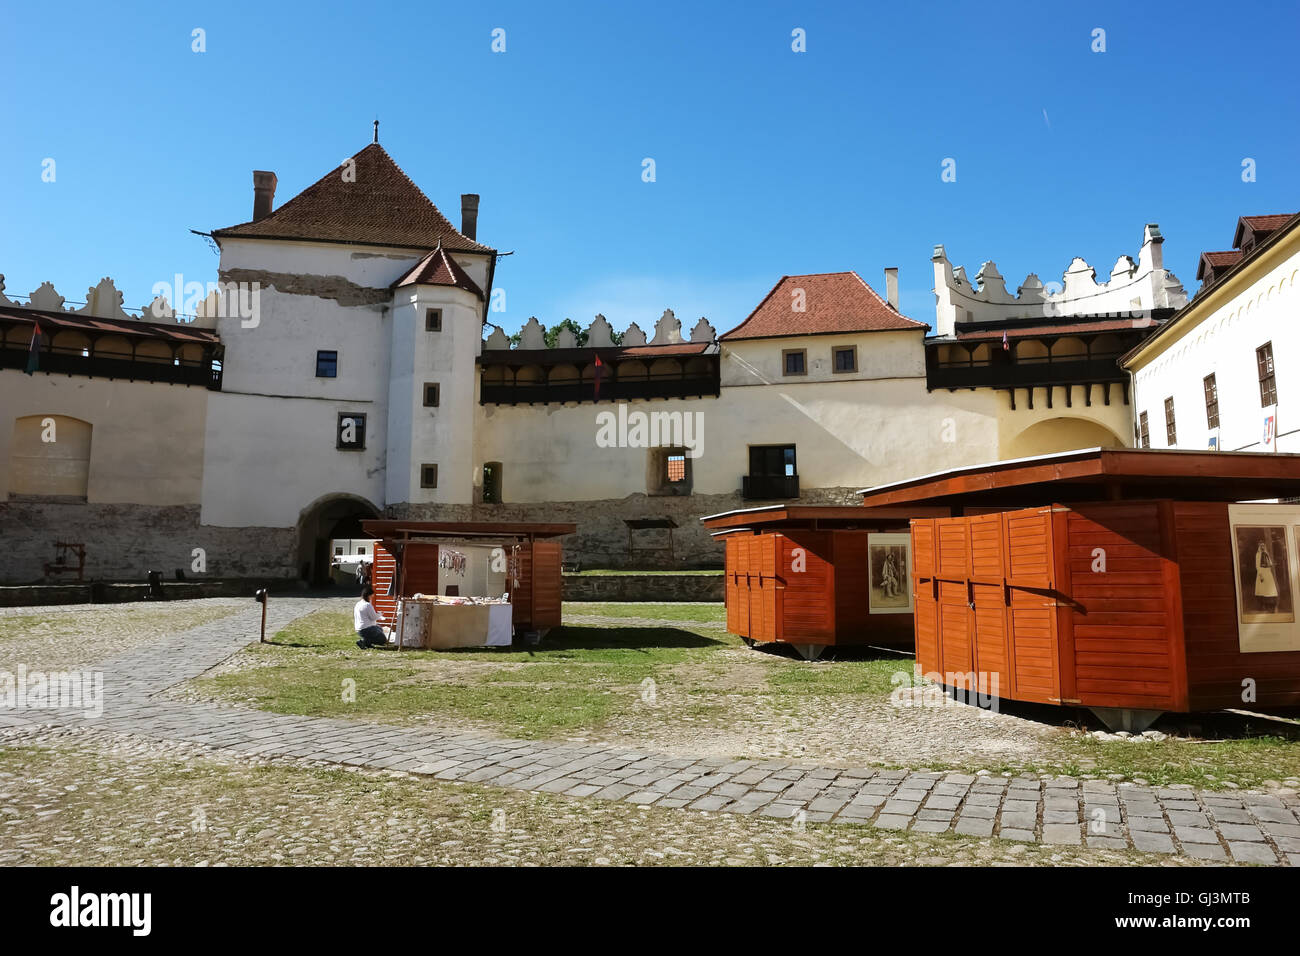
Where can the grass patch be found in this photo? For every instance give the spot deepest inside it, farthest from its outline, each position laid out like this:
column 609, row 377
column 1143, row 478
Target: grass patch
column 686, row 612
column 586, row 678
column 602, row 572
column 578, row 678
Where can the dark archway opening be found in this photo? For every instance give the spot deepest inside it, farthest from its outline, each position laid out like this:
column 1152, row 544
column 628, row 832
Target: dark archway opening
column 326, row 520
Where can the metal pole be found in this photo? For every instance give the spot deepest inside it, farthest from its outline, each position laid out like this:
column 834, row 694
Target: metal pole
column 260, row 597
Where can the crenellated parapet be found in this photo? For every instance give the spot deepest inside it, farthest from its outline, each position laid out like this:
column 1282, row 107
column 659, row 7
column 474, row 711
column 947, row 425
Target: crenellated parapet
column 1132, row 289
column 103, row 301
column 600, row 334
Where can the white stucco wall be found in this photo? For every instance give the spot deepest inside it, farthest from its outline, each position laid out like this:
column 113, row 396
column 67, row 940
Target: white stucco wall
column 442, row 435
column 849, row 430
column 146, row 444
column 1220, row 335
column 271, row 432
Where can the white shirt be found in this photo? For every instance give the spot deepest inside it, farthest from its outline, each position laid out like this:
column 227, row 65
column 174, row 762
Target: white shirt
column 364, row 615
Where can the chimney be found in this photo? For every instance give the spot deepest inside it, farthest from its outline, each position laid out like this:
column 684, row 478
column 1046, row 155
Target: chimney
column 263, row 193
column 469, row 215
column 891, row 287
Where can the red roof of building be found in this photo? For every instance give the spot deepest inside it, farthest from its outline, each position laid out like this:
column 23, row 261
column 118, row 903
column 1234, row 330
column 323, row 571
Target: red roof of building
column 439, row 268
column 1260, row 226
column 379, row 206
column 833, row 302
column 1217, row 261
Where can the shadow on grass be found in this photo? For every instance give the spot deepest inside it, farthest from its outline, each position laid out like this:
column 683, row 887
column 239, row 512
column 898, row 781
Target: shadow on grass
column 571, row 637
column 834, row 654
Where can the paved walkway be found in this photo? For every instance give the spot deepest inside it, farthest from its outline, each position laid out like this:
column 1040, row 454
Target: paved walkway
column 1241, row 826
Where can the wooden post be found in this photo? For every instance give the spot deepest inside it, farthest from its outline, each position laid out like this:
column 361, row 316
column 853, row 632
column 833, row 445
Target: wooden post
column 260, row 597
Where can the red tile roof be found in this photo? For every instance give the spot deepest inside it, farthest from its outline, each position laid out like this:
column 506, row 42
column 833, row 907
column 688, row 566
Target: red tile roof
column 833, row 302
column 1261, row 226
column 1217, row 261
column 439, row 268
column 380, row 207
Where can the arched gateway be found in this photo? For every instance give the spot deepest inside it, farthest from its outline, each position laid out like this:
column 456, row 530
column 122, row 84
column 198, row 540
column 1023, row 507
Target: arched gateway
column 325, row 519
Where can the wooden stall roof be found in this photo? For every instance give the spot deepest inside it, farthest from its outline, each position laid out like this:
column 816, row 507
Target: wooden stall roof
column 1100, row 474
column 394, row 530
column 811, row 516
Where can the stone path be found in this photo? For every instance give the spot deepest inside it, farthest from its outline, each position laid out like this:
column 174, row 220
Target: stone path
column 1240, row 826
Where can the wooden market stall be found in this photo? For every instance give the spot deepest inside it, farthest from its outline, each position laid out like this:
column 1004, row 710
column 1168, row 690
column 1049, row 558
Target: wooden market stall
column 1127, row 581
column 817, row 576
column 447, row 562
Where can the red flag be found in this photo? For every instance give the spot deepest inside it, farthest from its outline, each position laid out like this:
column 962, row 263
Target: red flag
column 600, row 371
column 34, row 349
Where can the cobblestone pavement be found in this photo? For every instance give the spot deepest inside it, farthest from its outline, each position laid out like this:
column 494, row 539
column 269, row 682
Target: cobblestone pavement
column 1240, row 827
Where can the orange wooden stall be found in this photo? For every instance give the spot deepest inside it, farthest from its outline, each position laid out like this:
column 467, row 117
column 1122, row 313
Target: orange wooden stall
column 409, row 549
column 798, row 575
column 1130, row 605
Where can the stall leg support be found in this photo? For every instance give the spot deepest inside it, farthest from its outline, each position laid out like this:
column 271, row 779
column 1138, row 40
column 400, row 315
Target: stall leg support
column 1122, row 718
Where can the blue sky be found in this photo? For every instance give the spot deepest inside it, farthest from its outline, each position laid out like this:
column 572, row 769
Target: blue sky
column 768, row 161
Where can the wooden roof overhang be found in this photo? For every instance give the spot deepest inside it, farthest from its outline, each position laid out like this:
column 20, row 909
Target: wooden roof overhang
column 812, row 517
column 586, row 356
column 1098, row 474
column 53, row 323
column 398, row 533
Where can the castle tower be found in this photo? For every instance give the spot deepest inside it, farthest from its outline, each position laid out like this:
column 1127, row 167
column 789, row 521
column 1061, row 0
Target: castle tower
column 437, row 330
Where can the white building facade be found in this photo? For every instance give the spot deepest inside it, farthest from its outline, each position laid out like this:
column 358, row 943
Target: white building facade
column 1216, row 376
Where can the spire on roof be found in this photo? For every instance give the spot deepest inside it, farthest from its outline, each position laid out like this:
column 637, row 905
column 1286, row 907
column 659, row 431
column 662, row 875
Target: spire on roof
column 376, row 129
column 439, row 268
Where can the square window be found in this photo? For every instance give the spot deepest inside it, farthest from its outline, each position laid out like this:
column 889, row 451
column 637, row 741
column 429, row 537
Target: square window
column 430, row 394
column 676, row 468
column 327, row 364
column 428, row 476
column 795, row 361
column 433, row 320
column 351, row 431
column 846, row 358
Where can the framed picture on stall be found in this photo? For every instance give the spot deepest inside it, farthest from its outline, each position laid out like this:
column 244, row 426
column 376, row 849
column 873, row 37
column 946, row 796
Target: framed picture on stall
column 889, row 573
column 1265, row 576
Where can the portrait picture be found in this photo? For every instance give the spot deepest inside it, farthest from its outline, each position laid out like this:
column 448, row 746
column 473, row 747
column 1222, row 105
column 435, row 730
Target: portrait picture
column 1263, row 574
column 889, row 572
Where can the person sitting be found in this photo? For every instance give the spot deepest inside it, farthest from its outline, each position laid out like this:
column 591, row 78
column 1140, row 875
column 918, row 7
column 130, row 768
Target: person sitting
column 366, row 620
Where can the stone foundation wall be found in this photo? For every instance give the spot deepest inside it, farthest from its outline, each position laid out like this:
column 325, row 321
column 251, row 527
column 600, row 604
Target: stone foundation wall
column 657, row 588
column 601, row 540
column 124, row 542
column 100, row 592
